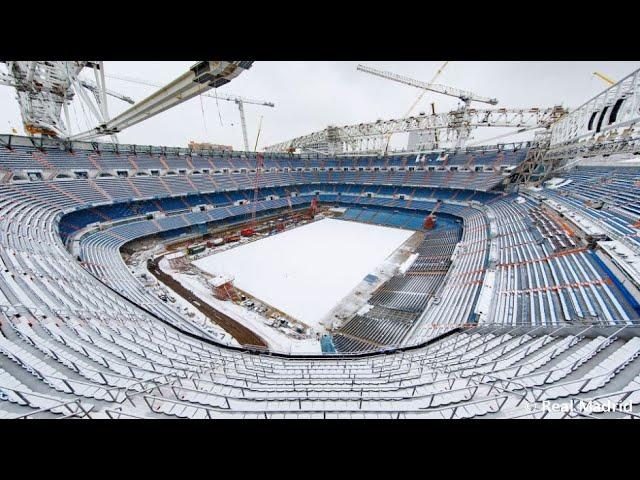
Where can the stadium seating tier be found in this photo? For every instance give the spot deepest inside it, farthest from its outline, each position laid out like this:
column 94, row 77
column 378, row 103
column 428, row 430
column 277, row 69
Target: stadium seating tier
column 87, row 340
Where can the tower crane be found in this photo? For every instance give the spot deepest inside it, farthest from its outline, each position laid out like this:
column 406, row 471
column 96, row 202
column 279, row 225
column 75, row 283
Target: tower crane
column 239, row 101
column 388, row 139
column 466, row 96
column 460, row 122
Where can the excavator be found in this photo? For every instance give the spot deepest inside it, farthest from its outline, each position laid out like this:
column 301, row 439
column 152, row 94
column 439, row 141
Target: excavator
column 430, row 221
column 311, row 213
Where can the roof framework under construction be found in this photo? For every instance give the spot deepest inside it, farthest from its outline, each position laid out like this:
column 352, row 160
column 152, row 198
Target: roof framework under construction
column 445, row 130
column 606, row 123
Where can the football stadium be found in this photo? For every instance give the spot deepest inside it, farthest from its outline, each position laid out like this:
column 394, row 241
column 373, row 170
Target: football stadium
column 395, row 268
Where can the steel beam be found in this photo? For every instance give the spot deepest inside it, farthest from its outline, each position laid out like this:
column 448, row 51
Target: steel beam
column 614, row 112
column 448, row 121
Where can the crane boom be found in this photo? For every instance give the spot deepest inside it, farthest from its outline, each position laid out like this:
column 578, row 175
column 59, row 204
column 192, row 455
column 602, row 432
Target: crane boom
column 219, row 96
column 239, row 101
column 603, row 77
column 93, row 87
column 463, row 95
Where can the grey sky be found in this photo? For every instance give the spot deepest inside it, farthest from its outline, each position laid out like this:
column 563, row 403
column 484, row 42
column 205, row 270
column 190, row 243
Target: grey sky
column 311, row 95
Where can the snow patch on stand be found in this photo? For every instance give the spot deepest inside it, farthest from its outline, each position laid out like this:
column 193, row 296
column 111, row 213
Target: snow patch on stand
column 306, row 271
column 408, row 262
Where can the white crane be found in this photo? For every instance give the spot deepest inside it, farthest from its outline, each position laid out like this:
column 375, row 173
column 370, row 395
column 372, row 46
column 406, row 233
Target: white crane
column 46, row 89
column 460, row 123
column 240, row 101
column 466, row 96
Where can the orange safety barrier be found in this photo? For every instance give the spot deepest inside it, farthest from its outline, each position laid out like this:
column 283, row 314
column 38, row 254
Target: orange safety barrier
column 133, row 186
column 91, row 158
column 132, row 162
column 163, row 162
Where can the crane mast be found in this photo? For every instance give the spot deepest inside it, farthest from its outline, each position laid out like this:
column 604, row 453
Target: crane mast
column 243, row 123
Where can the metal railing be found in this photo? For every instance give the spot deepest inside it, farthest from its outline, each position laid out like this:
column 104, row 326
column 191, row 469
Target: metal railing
column 74, row 408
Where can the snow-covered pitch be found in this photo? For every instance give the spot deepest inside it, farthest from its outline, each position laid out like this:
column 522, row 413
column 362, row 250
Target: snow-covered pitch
column 307, row 270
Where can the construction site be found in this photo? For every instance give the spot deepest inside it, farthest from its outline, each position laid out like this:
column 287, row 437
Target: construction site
column 273, row 288
column 474, row 255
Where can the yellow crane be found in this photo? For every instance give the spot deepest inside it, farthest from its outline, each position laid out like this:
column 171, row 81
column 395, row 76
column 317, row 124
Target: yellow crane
column 255, row 148
column 604, row 78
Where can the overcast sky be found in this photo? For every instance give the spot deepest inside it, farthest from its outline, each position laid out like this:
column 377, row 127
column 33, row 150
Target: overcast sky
column 308, row 96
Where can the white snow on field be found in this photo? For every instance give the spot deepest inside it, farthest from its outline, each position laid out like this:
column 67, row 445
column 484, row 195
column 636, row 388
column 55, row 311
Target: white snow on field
column 307, row 270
